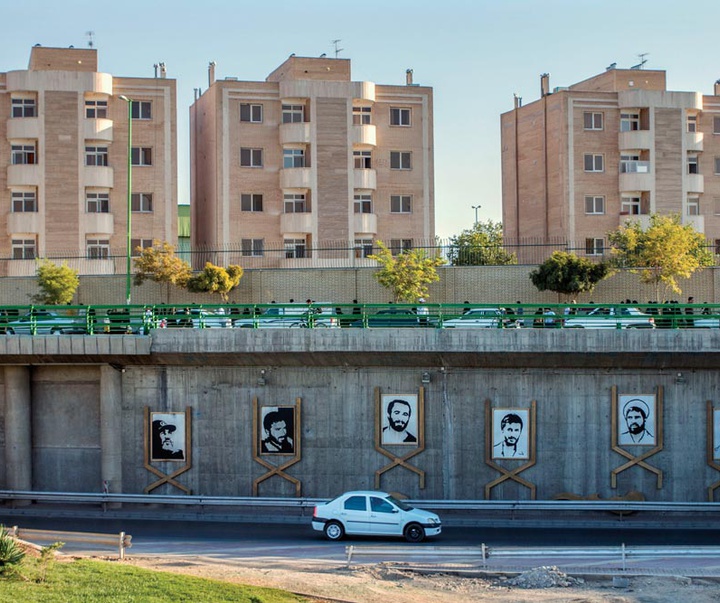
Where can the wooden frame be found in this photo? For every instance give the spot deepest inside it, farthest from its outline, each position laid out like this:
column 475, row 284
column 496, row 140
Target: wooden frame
column 167, row 478
column 712, row 437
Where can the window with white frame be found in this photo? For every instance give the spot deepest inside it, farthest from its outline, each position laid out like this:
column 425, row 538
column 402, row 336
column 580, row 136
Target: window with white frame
column 141, row 156
column 399, row 116
column 96, row 109
column 594, row 204
column 400, row 204
column 24, row 202
column 692, row 122
column 141, row 202
column 363, row 203
column 629, row 122
column 251, row 158
column 253, row 247
column 716, row 206
column 692, row 164
column 592, row 121
column 362, row 116
column 594, row 162
column 137, row 246
column 363, row 248
column 717, row 246
column 717, row 165
column 594, row 246
column 295, row 203
column 24, row 249
column 251, row 113
column 693, row 206
column 362, row 159
column 630, row 206
column 96, row 156
column 24, row 154
column 141, row 109
column 400, row 160
column 24, row 107
column 398, row 246
column 292, row 114
column 716, row 125
column 631, row 164
column 97, row 249
column 293, row 158
column 251, row 202
column 97, row 202
column 295, row 248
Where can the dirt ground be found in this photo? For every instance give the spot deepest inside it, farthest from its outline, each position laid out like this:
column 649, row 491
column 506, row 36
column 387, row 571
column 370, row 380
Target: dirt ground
column 383, row 583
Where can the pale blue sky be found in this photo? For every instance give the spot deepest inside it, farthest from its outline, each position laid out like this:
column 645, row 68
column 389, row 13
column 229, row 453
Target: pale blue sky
column 475, row 54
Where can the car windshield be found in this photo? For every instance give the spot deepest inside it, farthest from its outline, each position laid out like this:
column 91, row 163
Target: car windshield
column 399, row 503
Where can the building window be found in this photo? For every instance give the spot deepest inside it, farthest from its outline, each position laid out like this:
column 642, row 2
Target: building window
column 295, row 203
column 97, row 156
column 251, row 113
column 24, row 202
column 716, row 125
column 253, row 247
column 363, row 160
column 594, row 163
column 141, row 156
column 251, row 202
column 717, row 165
column 294, row 248
column 251, row 158
column 716, row 206
column 630, row 206
column 398, row 246
column 401, row 204
column 693, row 206
column 24, row 249
column 24, row 154
column 362, row 116
column 399, row 116
column 141, row 202
column 293, row 158
column 96, row 109
column 141, row 110
column 594, row 204
column 629, row 122
column 292, row 114
column 717, row 246
column 592, row 121
column 631, row 164
column 363, row 248
column 400, row 160
column 692, row 123
column 97, row 203
column 137, row 246
column 363, row 203
column 692, row 164
column 24, row 107
column 98, row 249
column 594, row 246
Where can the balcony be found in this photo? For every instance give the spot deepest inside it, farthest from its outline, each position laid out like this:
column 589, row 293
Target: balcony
column 102, row 177
column 24, row 175
column 697, row 222
column 98, row 129
column 365, row 223
column 23, row 128
column 297, row 133
column 300, row 223
column 635, row 176
column 695, row 183
column 364, row 134
column 295, row 178
column 694, row 141
column 365, row 179
column 636, row 139
column 96, row 223
column 23, row 223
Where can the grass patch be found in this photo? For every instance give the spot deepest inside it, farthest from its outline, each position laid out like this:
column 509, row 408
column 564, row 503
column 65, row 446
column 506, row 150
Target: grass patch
column 86, row 581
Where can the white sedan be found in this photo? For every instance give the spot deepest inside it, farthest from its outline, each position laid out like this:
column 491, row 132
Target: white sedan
column 479, row 318
column 371, row 513
column 611, row 318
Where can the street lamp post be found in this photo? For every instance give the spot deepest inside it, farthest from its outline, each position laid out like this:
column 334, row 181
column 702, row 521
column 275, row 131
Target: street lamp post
column 129, row 199
column 476, row 207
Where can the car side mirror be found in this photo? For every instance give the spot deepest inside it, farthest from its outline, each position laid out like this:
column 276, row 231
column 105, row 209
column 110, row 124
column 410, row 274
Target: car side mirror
column 395, row 510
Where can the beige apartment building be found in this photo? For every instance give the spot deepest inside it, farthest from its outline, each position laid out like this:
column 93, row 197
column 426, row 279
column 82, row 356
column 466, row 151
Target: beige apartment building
column 64, row 162
column 310, row 168
column 581, row 160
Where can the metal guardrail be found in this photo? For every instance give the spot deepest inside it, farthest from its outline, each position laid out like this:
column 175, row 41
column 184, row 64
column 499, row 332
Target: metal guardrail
column 121, row 540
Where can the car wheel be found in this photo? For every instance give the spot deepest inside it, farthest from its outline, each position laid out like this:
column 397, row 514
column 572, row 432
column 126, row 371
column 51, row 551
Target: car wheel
column 10, row 331
column 414, row 533
column 56, row 331
column 334, row 530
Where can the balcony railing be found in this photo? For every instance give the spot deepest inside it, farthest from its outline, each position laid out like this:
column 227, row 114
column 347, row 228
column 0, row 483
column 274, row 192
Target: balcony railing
column 634, row 167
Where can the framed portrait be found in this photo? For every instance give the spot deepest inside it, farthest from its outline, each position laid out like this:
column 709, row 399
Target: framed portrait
column 277, row 430
column 510, row 429
column 399, row 419
column 167, row 436
column 716, row 434
column 637, row 425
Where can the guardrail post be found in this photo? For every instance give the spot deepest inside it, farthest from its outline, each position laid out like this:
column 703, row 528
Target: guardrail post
column 349, row 555
column 122, row 545
column 623, row 557
column 484, row 551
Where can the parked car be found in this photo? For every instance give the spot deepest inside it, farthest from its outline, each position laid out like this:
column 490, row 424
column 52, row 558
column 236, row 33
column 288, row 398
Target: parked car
column 375, row 514
column 611, row 318
column 44, row 322
column 391, row 318
column 208, row 319
column 284, row 317
column 481, row 318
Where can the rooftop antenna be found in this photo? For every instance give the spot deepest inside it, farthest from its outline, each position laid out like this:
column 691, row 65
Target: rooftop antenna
column 337, row 50
column 643, row 60
column 90, row 35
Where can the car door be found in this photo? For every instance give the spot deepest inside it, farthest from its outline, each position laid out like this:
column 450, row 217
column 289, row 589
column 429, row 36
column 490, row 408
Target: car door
column 385, row 518
column 354, row 514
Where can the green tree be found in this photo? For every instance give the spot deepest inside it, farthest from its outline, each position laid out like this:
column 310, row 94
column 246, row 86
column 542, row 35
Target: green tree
column 407, row 274
column 665, row 252
column 482, row 245
column 159, row 263
column 567, row 274
column 58, row 284
column 215, row 280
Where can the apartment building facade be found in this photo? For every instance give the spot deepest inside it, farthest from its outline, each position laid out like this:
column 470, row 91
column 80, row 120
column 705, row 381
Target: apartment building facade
column 309, row 168
column 64, row 163
column 581, row 160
